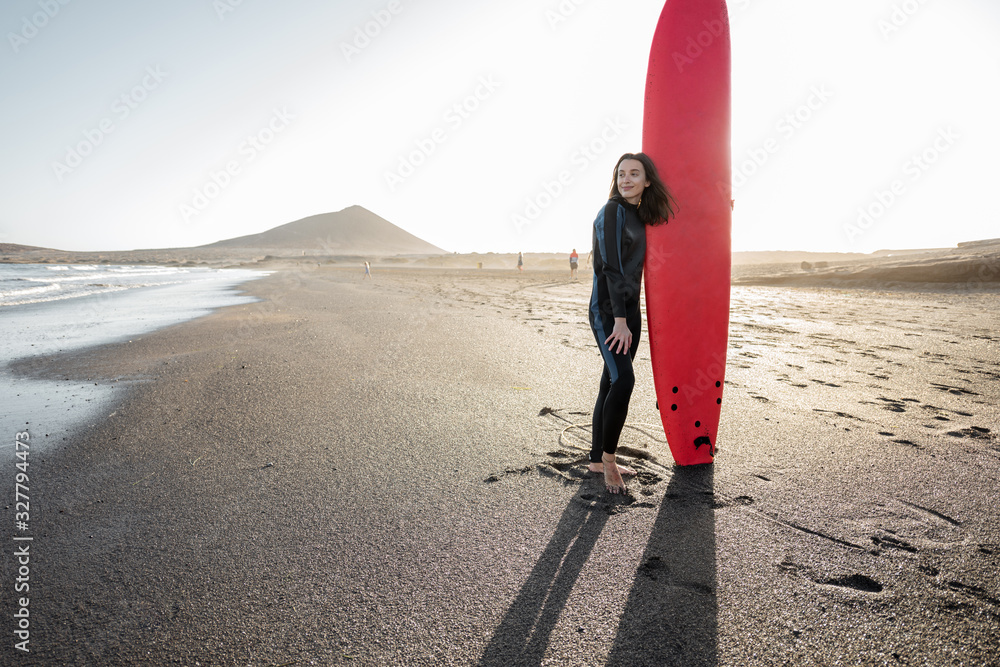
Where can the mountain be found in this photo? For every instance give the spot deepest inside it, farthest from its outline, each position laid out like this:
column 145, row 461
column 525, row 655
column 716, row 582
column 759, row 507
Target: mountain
column 352, row 231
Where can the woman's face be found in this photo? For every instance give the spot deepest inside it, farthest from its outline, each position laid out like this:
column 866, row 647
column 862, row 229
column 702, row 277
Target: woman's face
column 632, row 180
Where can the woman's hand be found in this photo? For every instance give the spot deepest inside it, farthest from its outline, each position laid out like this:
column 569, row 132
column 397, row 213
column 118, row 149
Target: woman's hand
column 620, row 336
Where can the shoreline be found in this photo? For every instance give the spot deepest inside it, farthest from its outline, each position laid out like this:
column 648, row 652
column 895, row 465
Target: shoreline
column 331, row 474
column 50, row 333
column 974, row 266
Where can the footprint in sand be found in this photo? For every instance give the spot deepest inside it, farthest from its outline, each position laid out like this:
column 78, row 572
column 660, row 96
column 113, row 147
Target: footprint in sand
column 957, row 391
column 892, row 404
column 977, row 592
column 855, row 582
column 889, row 542
column 974, row 432
column 738, row 500
column 858, row 582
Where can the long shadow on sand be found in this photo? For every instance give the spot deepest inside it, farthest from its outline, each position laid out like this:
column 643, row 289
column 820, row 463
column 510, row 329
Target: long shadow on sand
column 523, row 635
column 671, row 614
column 671, row 617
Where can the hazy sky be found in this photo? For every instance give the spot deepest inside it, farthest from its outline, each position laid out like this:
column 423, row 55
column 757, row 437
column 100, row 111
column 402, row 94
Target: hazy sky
column 141, row 124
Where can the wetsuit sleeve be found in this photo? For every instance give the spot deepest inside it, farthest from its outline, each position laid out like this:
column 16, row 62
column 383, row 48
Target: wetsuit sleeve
column 611, row 254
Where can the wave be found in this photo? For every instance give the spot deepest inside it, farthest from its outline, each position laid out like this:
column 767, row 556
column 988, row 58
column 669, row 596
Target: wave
column 40, row 289
column 32, row 284
column 26, row 299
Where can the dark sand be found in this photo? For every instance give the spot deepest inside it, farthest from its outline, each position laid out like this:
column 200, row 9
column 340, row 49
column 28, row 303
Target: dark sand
column 382, row 473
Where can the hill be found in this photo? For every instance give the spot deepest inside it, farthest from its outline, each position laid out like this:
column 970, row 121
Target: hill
column 12, row 248
column 352, row 231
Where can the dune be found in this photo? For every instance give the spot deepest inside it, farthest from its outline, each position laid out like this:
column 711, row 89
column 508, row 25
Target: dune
column 972, row 265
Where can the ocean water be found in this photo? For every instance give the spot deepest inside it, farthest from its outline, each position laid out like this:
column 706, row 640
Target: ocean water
column 51, row 309
column 22, row 284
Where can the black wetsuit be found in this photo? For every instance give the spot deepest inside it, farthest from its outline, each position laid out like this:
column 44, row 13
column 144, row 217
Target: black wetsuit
column 619, row 253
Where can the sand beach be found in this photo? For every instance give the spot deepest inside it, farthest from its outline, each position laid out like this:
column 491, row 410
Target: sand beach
column 392, row 472
column 295, row 370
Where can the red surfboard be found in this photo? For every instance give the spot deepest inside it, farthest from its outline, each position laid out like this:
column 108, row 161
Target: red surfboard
column 686, row 132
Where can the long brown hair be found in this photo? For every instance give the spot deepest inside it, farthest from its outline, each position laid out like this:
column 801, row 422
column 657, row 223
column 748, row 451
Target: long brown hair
column 657, row 205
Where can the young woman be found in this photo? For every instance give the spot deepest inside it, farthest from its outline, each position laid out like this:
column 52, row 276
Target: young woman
column 638, row 198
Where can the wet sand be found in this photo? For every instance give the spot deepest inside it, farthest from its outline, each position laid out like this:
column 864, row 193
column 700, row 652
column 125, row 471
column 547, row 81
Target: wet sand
column 393, row 472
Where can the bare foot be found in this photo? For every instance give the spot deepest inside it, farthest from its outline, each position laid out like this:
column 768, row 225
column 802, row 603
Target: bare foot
column 612, row 477
column 625, row 470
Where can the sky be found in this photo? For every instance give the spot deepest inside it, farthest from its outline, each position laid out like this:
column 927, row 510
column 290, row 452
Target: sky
column 857, row 125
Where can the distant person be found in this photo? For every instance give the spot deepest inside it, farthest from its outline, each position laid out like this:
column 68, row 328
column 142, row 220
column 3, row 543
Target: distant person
column 574, row 264
column 638, row 198
column 520, row 262
column 368, row 271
